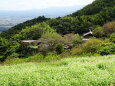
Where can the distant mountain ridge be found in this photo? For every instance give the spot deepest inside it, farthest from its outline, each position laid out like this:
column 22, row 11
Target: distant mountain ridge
column 16, row 17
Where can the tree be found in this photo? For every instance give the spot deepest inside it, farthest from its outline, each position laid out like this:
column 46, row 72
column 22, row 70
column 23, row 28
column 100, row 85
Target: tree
column 51, row 40
column 98, row 32
column 71, row 40
column 33, row 32
column 109, row 28
column 4, row 44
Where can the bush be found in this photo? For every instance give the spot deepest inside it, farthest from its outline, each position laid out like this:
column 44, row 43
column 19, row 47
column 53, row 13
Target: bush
column 88, row 48
column 36, row 57
column 77, row 51
column 72, row 39
column 98, row 32
column 4, row 45
column 92, row 45
column 109, row 28
column 108, row 48
column 13, row 55
column 65, row 54
column 112, row 37
column 59, row 49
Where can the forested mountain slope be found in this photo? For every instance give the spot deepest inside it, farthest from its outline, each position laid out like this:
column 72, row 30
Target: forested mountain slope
column 96, row 7
column 16, row 29
column 91, row 16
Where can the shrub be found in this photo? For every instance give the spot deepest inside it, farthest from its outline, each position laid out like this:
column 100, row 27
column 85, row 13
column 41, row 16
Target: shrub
column 4, row 44
column 59, row 49
column 88, row 48
column 108, row 48
column 109, row 28
column 92, row 45
column 98, row 32
column 72, row 39
column 36, row 57
column 77, row 51
column 14, row 55
column 112, row 37
column 65, row 54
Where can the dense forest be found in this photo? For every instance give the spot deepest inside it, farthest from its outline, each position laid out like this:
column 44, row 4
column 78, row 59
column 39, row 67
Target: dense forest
column 63, row 35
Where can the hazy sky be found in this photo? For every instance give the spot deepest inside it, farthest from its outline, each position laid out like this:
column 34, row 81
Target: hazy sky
column 39, row 4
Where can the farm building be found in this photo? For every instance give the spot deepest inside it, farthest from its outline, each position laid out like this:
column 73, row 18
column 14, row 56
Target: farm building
column 27, row 42
column 87, row 35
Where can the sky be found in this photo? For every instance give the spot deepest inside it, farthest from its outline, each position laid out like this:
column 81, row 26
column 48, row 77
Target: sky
column 39, row 4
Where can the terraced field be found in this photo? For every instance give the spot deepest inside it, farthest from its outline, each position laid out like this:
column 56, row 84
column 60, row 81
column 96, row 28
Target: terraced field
column 83, row 71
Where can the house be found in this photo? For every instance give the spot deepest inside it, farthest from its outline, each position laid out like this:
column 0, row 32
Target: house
column 87, row 35
column 30, row 42
column 27, row 42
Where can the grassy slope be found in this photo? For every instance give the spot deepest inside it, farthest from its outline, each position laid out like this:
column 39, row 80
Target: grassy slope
column 93, row 71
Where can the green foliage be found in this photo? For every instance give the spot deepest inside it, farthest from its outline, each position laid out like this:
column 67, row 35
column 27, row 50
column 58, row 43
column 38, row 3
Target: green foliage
column 77, row 51
column 108, row 48
column 112, row 37
column 82, row 24
column 98, row 32
column 92, row 45
column 109, row 28
column 35, row 58
column 89, row 47
column 59, row 48
column 4, row 45
column 33, row 32
column 51, row 40
column 9, row 49
column 97, row 13
column 12, row 48
column 48, row 31
column 96, row 7
column 93, row 71
column 72, row 39
column 13, row 55
column 16, row 29
column 67, row 25
column 51, row 57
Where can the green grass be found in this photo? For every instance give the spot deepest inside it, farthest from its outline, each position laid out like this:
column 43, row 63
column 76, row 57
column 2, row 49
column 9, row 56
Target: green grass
column 84, row 71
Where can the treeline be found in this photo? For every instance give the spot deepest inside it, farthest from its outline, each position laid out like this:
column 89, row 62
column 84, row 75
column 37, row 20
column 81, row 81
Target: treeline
column 82, row 24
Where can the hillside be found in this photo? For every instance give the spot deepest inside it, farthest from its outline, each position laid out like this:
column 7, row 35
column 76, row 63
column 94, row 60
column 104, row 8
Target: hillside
column 96, row 7
column 63, row 35
column 95, row 14
column 86, row 71
column 16, row 29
